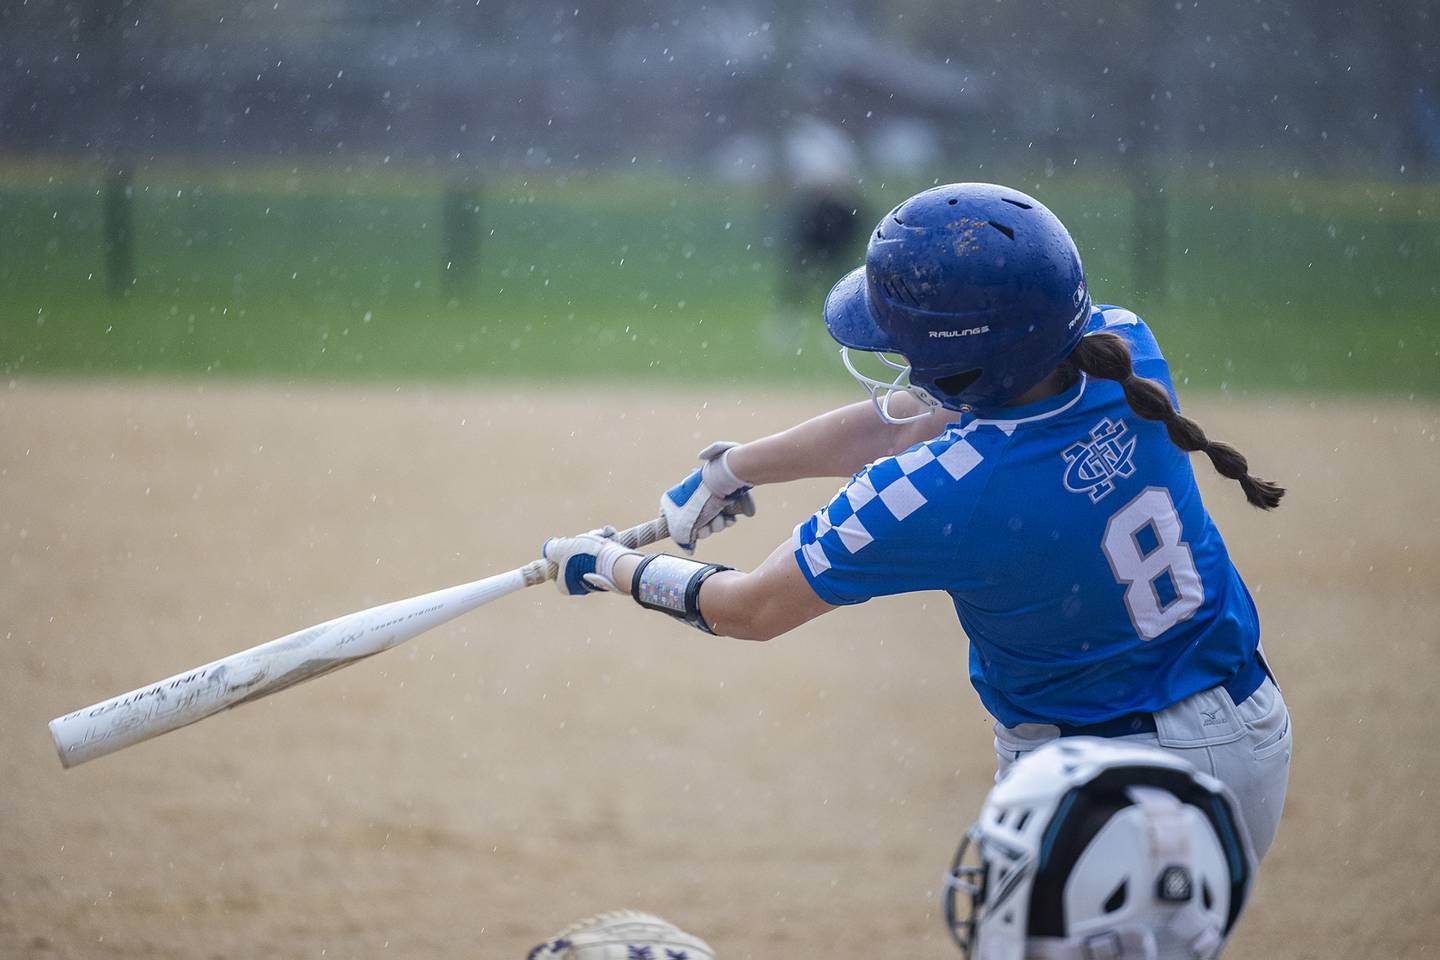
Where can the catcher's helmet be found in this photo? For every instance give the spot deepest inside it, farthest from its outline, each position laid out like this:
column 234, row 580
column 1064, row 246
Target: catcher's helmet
column 1095, row 848
column 978, row 286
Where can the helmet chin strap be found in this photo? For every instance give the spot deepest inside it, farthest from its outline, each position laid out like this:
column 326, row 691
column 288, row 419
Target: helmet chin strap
column 881, row 391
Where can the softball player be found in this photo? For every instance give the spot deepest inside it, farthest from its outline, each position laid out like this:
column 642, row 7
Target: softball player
column 1028, row 459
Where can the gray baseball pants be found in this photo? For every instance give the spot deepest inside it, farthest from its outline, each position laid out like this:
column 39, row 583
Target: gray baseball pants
column 1246, row 746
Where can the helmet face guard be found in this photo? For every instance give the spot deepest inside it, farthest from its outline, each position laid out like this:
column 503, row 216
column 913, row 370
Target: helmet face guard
column 978, row 286
column 882, row 391
column 1090, row 848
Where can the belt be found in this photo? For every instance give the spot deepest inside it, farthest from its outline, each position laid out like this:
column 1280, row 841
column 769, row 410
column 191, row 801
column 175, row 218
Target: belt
column 1240, row 687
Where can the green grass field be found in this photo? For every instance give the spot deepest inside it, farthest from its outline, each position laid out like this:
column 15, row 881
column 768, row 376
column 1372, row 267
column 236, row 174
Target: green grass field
column 1286, row 284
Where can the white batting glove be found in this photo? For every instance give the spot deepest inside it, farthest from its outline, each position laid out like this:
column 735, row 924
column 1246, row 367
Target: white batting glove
column 710, row 499
column 587, row 562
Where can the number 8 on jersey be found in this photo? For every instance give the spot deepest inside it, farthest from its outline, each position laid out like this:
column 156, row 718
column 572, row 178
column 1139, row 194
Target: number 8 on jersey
column 1142, row 542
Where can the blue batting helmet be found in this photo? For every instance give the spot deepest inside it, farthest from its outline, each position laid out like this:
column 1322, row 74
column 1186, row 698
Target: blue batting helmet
column 978, row 286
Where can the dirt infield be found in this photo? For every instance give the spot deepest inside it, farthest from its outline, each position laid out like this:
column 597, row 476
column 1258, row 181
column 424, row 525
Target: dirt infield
column 544, row 759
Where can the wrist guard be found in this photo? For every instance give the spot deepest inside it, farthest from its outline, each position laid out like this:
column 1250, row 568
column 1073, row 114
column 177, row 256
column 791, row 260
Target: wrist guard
column 672, row 585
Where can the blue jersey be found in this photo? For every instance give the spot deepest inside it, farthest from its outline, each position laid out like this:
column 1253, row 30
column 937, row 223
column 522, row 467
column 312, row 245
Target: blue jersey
column 1086, row 572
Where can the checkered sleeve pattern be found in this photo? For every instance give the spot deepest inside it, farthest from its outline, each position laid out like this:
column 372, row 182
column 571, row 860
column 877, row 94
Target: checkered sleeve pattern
column 895, row 527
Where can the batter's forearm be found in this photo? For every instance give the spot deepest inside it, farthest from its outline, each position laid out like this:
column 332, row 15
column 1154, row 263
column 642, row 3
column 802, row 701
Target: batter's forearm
column 760, row 605
column 723, row 598
column 834, row 444
column 768, row 601
column 730, row 609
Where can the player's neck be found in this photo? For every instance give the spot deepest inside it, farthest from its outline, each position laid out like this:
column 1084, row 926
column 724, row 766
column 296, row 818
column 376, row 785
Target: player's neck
column 1057, row 381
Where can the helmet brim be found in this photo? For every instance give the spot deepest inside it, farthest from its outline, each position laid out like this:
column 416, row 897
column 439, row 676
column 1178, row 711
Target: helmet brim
column 848, row 316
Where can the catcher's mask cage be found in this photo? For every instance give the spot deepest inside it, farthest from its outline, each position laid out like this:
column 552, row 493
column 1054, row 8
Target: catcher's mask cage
column 1091, row 849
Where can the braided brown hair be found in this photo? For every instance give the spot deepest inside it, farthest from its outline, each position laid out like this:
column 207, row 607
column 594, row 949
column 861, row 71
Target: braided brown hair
column 1107, row 356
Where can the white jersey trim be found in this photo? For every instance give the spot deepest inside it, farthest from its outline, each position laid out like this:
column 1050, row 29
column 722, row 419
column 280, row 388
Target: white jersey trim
column 1008, row 426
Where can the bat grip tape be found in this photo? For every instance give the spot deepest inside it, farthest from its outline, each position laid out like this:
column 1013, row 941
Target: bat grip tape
column 671, row 585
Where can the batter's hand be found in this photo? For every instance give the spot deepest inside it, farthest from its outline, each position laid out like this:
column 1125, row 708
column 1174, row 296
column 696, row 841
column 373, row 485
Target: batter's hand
column 586, row 563
column 707, row 501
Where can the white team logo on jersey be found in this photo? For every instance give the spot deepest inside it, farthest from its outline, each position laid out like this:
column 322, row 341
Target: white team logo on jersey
column 1092, row 465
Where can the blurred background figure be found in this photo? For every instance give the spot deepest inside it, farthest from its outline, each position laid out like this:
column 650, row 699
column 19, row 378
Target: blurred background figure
column 825, row 222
